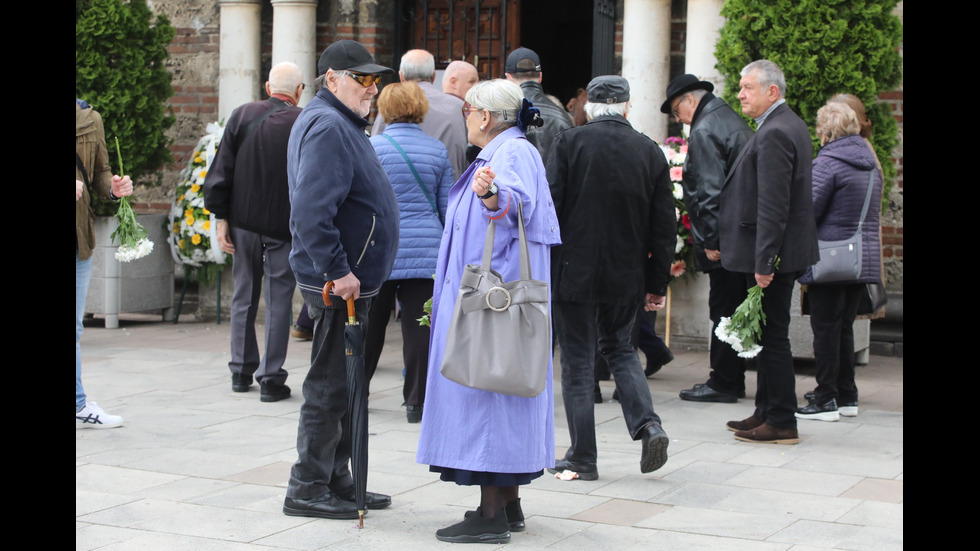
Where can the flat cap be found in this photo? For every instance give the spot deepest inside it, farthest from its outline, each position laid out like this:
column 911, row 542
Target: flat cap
column 608, row 89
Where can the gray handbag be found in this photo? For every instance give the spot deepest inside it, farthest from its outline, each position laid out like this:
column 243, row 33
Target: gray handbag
column 500, row 335
column 840, row 261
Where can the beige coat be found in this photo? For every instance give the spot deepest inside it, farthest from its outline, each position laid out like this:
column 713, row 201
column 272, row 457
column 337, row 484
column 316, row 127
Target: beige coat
column 91, row 148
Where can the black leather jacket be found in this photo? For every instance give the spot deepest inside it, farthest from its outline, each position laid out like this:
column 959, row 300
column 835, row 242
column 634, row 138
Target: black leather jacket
column 555, row 118
column 717, row 136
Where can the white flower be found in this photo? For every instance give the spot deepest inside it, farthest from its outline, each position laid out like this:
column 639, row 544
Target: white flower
column 680, row 244
column 198, row 202
column 678, row 191
column 751, row 352
column 126, row 253
column 679, row 158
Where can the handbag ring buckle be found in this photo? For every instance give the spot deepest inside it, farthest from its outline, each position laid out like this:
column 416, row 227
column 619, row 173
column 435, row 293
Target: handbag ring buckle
column 491, row 292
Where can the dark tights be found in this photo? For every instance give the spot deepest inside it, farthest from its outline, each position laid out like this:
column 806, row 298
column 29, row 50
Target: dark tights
column 493, row 499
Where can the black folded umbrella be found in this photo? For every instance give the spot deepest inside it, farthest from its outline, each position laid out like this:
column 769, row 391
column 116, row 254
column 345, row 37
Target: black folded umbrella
column 357, row 402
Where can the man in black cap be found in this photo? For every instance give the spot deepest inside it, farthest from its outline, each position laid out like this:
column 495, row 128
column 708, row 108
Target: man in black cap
column 715, row 140
column 344, row 224
column 611, row 189
column 524, row 68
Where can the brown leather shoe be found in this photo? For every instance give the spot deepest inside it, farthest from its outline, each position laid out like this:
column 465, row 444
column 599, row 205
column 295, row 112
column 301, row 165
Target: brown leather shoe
column 748, row 423
column 768, row 434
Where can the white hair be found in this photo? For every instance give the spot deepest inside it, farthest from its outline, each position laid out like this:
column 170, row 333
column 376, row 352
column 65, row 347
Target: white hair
column 593, row 110
column 418, row 65
column 501, row 97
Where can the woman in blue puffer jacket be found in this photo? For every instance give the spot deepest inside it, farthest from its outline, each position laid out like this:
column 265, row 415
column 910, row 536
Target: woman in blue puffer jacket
column 421, row 176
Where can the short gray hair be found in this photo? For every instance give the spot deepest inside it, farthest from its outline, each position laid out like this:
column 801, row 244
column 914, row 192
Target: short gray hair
column 285, row 78
column 593, row 110
column 501, row 97
column 418, row 65
column 767, row 73
column 836, row 120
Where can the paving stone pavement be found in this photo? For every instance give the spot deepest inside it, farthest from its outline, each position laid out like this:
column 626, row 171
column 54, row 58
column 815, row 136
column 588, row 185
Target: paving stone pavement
column 198, row 467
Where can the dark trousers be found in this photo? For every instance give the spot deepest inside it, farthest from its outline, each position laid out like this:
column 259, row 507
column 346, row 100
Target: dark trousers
column 727, row 290
column 581, row 327
column 323, row 442
column 412, row 293
column 775, row 398
column 832, row 312
column 258, row 256
column 644, row 337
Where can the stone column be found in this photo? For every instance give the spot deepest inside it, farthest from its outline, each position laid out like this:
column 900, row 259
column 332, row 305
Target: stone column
column 294, row 38
column 239, row 62
column 704, row 20
column 646, row 62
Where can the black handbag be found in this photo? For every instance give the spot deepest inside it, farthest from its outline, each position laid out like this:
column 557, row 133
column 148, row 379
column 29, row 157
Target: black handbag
column 873, row 298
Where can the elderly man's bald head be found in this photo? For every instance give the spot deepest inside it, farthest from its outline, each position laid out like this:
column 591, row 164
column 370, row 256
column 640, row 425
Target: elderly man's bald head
column 459, row 77
column 417, row 66
column 284, row 78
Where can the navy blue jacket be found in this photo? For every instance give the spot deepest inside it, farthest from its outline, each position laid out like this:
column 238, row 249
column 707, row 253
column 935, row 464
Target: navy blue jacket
column 344, row 217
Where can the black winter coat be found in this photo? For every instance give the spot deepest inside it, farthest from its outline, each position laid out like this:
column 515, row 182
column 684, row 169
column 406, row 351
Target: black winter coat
column 612, row 194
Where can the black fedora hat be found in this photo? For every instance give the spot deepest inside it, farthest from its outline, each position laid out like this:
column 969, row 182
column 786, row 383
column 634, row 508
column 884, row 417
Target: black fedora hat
column 681, row 84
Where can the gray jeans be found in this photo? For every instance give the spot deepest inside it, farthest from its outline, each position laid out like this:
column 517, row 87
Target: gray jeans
column 322, row 441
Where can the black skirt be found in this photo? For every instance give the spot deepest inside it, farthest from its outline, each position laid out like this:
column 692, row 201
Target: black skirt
column 482, row 478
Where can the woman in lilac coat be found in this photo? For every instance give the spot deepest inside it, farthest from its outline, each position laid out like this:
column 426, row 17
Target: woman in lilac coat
column 842, row 172
column 469, row 436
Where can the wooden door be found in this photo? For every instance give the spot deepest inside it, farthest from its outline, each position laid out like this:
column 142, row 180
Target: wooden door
column 479, row 31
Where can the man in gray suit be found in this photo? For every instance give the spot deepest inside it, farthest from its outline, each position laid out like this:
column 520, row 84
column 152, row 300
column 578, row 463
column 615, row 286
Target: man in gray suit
column 768, row 233
column 444, row 121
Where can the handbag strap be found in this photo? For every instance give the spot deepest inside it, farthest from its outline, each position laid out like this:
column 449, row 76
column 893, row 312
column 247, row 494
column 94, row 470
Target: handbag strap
column 416, row 174
column 867, row 199
column 525, row 256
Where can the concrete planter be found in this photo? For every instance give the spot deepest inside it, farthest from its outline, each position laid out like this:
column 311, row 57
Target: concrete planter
column 691, row 327
column 143, row 285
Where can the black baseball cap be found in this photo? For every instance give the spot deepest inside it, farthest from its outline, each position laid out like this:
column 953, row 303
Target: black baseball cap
column 522, row 60
column 349, row 55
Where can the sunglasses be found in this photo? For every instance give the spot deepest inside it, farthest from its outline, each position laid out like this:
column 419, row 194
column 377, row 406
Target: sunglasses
column 467, row 109
column 365, row 80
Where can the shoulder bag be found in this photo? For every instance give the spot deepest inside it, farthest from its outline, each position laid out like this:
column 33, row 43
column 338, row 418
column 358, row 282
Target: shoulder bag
column 500, row 334
column 840, row 261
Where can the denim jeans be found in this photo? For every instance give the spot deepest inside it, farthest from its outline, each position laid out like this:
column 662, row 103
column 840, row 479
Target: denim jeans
column 83, row 274
column 581, row 327
column 323, row 442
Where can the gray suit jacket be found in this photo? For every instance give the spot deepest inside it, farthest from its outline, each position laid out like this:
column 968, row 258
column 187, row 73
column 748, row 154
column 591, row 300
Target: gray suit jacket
column 444, row 122
column 767, row 201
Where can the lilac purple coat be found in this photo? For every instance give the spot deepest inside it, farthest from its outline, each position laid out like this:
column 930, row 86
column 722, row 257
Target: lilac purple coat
column 471, row 429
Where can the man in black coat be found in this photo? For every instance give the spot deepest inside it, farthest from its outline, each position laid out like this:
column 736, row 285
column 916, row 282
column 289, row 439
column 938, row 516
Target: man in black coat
column 716, row 138
column 523, row 67
column 246, row 188
column 611, row 189
column 768, row 233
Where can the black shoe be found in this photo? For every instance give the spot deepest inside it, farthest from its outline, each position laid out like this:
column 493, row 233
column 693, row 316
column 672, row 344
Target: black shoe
column 414, row 414
column 819, row 412
column 302, row 333
column 810, row 396
column 515, row 515
column 273, row 392
column 655, row 365
column 596, row 393
column 477, row 529
column 585, row 472
column 240, row 382
column 704, row 393
column 371, row 499
column 655, row 443
column 325, row 506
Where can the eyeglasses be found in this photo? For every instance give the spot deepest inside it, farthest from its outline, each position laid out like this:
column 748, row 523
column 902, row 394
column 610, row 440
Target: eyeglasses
column 365, row 80
column 673, row 110
column 467, row 109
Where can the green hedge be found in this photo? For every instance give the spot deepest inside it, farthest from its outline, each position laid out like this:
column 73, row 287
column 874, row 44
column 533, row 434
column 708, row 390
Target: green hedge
column 824, row 47
column 120, row 69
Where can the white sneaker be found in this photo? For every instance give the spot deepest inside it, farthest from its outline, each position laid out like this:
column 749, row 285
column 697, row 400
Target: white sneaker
column 850, row 410
column 93, row 417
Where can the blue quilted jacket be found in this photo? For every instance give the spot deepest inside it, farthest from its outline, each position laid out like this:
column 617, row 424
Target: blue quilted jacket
column 420, row 229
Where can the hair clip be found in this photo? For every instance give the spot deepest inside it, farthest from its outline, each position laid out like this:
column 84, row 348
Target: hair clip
column 529, row 116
